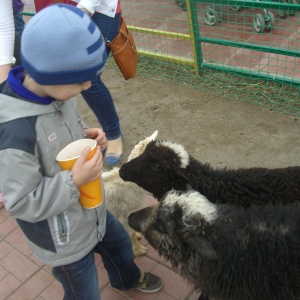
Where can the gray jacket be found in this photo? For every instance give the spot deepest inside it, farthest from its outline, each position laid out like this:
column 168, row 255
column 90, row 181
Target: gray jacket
column 42, row 198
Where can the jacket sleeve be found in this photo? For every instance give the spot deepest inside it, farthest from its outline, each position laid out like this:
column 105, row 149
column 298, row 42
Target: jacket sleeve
column 27, row 194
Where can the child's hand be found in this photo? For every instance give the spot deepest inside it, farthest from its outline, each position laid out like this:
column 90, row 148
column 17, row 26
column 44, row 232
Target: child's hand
column 98, row 135
column 85, row 171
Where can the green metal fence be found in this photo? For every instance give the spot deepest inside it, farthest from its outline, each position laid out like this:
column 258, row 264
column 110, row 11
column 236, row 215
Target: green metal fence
column 229, row 58
column 244, row 50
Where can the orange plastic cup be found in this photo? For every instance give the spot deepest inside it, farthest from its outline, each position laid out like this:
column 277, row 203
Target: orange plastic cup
column 91, row 192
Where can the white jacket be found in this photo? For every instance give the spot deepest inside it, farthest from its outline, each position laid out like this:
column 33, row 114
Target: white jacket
column 106, row 7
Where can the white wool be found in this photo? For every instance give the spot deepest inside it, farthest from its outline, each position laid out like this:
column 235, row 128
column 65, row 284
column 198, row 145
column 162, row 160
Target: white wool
column 179, row 150
column 191, row 203
column 141, row 146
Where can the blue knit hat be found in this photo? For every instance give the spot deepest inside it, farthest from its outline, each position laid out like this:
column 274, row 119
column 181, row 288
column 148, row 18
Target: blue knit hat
column 62, row 45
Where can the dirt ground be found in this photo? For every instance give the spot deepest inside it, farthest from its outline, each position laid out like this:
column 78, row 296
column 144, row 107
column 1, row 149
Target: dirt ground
column 214, row 130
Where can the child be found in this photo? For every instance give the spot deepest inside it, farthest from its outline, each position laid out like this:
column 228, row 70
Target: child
column 38, row 119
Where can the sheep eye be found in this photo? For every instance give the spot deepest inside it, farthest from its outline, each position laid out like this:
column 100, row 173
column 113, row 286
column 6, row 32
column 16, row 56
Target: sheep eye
column 156, row 166
column 160, row 226
column 175, row 160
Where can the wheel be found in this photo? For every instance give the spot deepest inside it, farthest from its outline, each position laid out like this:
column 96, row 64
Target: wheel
column 281, row 12
column 270, row 21
column 259, row 23
column 210, row 16
column 234, row 7
column 292, row 12
column 218, row 9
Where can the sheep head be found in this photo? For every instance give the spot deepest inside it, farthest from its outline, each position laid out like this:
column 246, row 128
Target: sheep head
column 141, row 146
column 175, row 227
column 159, row 169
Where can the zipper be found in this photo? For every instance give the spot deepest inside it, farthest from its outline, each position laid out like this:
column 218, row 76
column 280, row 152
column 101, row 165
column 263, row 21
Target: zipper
column 62, row 228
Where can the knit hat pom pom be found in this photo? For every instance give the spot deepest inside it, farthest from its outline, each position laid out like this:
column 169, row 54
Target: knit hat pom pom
column 62, row 45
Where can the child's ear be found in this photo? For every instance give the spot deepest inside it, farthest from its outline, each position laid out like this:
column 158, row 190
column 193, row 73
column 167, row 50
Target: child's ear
column 25, row 74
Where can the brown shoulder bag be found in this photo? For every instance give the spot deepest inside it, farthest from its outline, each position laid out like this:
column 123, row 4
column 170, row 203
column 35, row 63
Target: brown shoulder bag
column 124, row 51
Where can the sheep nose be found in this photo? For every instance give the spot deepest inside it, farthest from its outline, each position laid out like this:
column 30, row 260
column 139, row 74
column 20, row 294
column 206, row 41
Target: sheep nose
column 132, row 222
column 138, row 219
column 122, row 173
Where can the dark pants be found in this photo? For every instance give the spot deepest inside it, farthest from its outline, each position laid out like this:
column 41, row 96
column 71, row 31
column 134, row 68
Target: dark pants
column 80, row 280
column 98, row 96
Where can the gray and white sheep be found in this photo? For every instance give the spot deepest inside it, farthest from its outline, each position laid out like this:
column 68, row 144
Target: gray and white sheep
column 122, row 197
column 165, row 166
column 229, row 252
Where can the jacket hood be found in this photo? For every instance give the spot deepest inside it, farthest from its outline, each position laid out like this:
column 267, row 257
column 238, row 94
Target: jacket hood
column 18, row 102
column 12, row 108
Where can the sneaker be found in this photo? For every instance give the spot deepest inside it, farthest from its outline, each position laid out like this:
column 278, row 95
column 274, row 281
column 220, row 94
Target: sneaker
column 149, row 283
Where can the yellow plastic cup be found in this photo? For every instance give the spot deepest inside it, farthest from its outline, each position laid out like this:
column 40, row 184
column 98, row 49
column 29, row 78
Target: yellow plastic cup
column 91, row 192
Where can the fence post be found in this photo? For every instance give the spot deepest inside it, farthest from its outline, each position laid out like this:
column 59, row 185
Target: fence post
column 194, row 34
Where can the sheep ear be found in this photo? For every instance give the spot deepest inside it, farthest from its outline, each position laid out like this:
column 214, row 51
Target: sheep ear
column 153, row 136
column 189, row 187
column 182, row 175
column 203, row 247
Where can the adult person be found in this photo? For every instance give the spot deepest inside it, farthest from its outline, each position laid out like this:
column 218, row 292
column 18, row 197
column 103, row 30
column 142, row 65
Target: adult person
column 8, row 43
column 18, row 7
column 7, row 37
column 38, row 117
column 107, row 18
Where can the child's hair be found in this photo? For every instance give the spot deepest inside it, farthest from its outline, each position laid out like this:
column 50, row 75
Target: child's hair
column 62, row 45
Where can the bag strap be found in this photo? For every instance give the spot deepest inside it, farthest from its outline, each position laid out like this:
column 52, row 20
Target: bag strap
column 121, row 21
column 123, row 29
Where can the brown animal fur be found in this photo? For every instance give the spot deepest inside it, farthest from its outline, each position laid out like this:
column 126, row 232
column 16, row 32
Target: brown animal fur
column 123, row 198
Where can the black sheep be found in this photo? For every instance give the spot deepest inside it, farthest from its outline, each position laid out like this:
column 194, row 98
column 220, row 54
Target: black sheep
column 166, row 166
column 229, row 252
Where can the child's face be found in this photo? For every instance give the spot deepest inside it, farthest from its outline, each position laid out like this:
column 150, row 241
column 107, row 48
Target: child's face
column 59, row 92
column 65, row 92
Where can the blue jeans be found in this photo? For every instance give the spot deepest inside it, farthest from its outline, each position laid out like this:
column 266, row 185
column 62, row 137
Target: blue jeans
column 98, row 96
column 80, row 280
column 19, row 22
